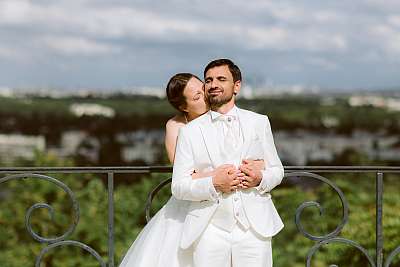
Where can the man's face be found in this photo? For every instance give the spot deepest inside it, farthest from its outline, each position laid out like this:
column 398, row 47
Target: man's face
column 219, row 86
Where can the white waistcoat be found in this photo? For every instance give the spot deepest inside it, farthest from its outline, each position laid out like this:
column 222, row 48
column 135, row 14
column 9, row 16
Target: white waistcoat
column 230, row 209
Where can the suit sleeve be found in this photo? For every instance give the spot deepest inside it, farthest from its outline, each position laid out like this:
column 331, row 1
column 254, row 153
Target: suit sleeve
column 274, row 172
column 183, row 186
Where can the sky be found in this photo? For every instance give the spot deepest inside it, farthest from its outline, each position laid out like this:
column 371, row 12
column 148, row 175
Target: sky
column 103, row 44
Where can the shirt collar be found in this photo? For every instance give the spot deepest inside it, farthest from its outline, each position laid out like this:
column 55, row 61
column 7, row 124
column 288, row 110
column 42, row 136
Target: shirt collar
column 232, row 112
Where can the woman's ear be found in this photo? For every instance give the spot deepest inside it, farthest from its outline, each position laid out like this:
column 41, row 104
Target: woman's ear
column 183, row 108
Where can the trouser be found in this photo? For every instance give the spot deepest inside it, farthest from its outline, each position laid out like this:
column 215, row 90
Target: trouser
column 239, row 248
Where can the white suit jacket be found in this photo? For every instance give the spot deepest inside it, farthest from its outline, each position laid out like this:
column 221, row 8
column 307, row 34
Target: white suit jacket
column 198, row 149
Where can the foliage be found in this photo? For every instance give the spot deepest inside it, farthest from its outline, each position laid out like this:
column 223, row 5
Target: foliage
column 290, row 247
column 20, row 249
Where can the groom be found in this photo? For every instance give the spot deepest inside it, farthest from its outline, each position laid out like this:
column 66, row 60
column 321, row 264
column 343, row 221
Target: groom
column 231, row 217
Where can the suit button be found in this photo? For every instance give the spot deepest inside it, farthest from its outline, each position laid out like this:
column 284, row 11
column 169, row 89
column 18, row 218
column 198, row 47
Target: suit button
column 237, row 213
column 236, row 198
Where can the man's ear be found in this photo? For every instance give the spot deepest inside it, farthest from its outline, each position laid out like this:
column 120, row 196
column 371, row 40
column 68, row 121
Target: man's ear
column 236, row 87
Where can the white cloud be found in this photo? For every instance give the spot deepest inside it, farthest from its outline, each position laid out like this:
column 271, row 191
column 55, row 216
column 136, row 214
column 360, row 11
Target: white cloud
column 327, row 16
column 326, row 41
column 372, row 56
column 387, row 38
column 287, row 12
column 131, row 22
column 77, row 45
column 14, row 12
column 385, row 5
column 12, row 54
column 279, row 38
column 6, row 52
column 394, row 20
column 323, row 62
column 112, row 22
column 274, row 37
column 138, row 24
column 355, row 32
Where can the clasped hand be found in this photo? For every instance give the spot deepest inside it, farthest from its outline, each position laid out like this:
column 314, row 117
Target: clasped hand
column 228, row 178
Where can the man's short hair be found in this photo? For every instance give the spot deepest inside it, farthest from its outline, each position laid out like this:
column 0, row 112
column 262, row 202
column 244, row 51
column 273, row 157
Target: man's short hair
column 235, row 71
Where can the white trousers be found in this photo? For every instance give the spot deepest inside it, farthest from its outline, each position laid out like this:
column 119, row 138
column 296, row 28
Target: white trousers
column 239, row 248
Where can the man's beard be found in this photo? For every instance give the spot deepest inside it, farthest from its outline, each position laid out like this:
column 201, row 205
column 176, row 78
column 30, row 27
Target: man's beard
column 218, row 101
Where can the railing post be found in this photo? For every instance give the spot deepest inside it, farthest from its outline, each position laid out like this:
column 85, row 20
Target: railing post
column 379, row 208
column 110, row 189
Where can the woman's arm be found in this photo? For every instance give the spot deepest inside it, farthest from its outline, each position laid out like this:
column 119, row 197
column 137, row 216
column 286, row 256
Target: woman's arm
column 197, row 175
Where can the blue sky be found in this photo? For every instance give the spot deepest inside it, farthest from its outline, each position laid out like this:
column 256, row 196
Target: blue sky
column 102, row 44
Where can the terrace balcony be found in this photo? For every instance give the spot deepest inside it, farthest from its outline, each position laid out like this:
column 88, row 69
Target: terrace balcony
column 303, row 178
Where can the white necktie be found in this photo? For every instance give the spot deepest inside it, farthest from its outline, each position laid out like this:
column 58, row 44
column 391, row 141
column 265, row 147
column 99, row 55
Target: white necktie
column 230, row 138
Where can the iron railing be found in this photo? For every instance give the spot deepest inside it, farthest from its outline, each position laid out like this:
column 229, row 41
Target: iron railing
column 41, row 173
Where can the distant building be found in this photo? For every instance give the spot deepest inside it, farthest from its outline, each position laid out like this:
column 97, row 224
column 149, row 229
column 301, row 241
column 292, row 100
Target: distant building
column 77, row 142
column 141, row 145
column 389, row 103
column 17, row 146
column 6, row 92
column 300, row 147
column 90, row 109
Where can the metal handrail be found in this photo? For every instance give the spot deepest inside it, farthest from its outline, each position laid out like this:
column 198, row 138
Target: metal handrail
column 166, row 169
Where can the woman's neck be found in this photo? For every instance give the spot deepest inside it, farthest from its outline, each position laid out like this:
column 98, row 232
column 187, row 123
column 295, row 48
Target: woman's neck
column 190, row 117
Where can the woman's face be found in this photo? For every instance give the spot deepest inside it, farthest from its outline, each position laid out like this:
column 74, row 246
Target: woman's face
column 194, row 94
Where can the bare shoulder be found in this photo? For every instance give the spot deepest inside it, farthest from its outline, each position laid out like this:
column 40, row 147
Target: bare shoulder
column 174, row 124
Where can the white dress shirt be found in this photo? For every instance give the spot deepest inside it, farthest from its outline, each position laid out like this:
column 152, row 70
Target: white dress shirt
column 230, row 210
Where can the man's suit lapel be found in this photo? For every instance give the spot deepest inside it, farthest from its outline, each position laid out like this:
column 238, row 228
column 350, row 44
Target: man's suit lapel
column 210, row 136
column 247, row 130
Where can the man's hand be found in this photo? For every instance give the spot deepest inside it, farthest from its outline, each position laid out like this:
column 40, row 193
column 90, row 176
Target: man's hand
column 251, row 175
column 226, row 178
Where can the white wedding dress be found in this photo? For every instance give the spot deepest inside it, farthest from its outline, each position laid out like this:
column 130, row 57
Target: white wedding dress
column 157, row 245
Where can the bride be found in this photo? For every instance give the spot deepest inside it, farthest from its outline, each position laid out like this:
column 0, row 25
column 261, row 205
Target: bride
column 157, row 245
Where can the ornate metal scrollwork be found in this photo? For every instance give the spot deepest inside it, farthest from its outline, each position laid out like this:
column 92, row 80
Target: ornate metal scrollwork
column 58, row 240
column 318, row 245
column 391, row 256
column 332, row 236
column 28, row 216
column 152, row 194
column 69, row 243
column 303, row 206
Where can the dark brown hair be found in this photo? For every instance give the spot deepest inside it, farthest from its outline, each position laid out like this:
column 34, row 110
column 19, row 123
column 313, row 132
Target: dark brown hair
column 175, row 88
column 235, row 71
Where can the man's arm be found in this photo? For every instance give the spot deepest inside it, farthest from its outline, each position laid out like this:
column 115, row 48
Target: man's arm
column 183, row 186
column 274, row 172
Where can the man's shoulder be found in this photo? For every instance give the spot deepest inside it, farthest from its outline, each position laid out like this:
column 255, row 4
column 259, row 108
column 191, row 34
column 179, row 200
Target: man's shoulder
column 199, row 120
column 253, row 115
column 192, row 127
